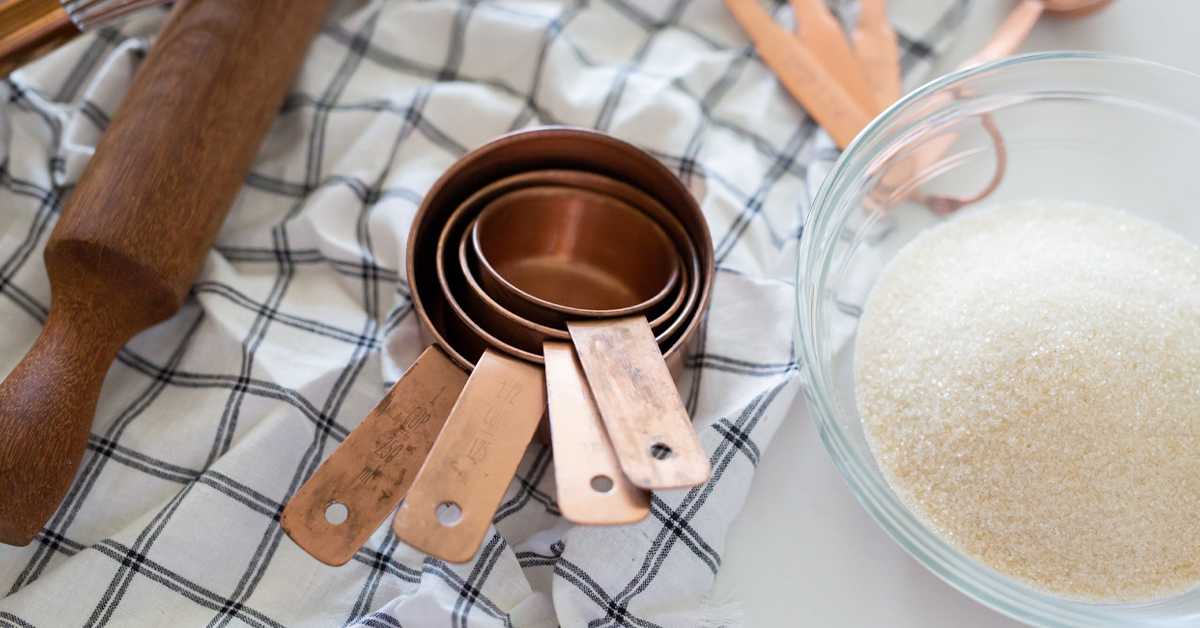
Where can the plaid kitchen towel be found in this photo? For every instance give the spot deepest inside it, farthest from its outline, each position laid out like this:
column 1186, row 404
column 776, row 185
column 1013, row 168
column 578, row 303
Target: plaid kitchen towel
column 300, row 320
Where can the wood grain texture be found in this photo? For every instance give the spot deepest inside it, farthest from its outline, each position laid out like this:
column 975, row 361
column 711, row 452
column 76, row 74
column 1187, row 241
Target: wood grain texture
column 645, row 419
column 30, row 29
column 875, row 45
column 801, row 73
column 138, row 226
column 582, row 451
column 820, row 31
column 474, row 458
column 373, row 468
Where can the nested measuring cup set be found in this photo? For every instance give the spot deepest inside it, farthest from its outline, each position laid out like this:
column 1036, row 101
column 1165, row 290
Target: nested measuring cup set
column 560, row 276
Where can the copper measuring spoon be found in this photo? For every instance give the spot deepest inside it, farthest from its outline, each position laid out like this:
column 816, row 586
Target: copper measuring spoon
column 923, row 161
column 1012, row 33
column 875, row 45
column 817, row 28
column 802, row 73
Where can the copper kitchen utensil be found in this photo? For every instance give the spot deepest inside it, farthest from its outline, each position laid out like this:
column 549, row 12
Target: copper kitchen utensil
column 875, row 45
column 450, row 505
column 904, row 179
column 367, row 475
column 469, row 310
column 139, row 224
column 476, row 305
column 802, row 74
column 644, row 403
column 32, row 28
column 574, row 253
column 592, row 488
column 650, row 430
column 1016, row 27
column 538, row 149
column 822, row 34
column 547, row 148
column 558, row 317
column 515, row 157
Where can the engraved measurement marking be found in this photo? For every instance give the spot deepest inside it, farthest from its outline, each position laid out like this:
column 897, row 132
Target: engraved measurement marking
column 391, row 448
column 478, row 450
column 368, row 473
column 365, row 475
column 491, row 421
column 508, row 392
column 417, row 417
column 395, row 443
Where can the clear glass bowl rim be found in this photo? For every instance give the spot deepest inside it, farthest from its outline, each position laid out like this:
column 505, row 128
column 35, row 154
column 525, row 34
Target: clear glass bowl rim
column 955, row 568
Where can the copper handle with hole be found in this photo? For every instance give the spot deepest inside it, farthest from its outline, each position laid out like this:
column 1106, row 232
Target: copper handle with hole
column 372, row 469
column 474, row 459
column 592, row 489
column 650, row 429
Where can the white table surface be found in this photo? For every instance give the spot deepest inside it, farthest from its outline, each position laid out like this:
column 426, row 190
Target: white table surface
column 803, row 552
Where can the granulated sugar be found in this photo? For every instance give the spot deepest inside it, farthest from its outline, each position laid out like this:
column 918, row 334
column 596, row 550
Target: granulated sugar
column 1029, row 381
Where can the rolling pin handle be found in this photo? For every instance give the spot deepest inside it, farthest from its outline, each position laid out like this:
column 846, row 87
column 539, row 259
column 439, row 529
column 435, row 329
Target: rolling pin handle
column 46, row 408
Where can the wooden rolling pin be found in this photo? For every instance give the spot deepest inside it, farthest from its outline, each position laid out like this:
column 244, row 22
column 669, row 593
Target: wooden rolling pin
column 136, row 230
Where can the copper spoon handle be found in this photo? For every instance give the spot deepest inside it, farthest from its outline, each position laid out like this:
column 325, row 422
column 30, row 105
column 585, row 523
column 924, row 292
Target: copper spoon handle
column 801, row 73
column 819, row 30
column 875, row 44
column 650, row 429
column 1011, row 34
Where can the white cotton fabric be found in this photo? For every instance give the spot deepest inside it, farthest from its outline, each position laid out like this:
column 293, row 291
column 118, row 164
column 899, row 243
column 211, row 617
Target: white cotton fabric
column 300, row 319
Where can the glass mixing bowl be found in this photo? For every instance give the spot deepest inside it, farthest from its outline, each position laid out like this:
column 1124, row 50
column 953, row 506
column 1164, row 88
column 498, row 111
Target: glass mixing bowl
column 1078, row 127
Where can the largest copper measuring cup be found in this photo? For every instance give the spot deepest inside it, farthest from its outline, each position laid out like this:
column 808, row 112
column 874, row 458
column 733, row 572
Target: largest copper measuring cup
column 547, row 148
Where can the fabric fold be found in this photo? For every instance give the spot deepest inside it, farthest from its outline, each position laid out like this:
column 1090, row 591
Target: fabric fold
column 301, row 318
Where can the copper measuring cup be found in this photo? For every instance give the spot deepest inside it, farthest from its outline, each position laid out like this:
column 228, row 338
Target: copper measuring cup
column 419, row 401
column 666, row 323
column 472, row 307
column 592, row 488
column 545, row 242
column 472, row 314
column 504, row 325
column 552, row 251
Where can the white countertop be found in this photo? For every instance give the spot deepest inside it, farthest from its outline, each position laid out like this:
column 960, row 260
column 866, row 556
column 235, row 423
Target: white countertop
column 803, row 552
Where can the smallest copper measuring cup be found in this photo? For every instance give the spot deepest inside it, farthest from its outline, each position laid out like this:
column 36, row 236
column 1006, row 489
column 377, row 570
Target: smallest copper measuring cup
column 546, row 253
column 522, row 333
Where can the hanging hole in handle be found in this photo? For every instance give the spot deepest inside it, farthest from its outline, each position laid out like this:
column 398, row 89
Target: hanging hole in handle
column 336, row 513
column 448, row 514
column 602, row 484
column 660, row 451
